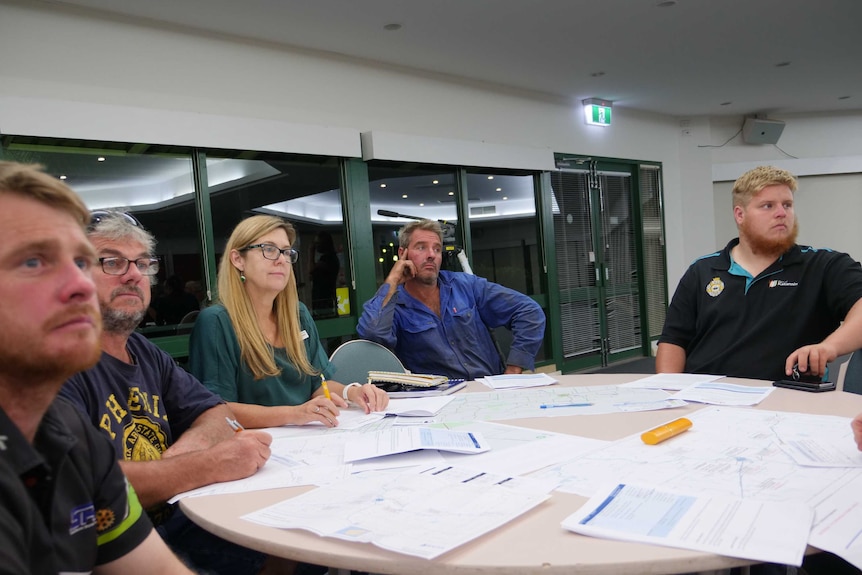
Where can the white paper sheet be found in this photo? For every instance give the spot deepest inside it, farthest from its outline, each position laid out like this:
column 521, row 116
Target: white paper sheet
column 723, row 393
column 671, row 381
column 417, row 406
column 420, row 515
column 517, row 381
column 756, row 530
column 403, row 439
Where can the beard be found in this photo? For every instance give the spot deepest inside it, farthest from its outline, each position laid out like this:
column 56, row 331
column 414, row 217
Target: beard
column 122, row 321
column 761, row 244
column 25, row 357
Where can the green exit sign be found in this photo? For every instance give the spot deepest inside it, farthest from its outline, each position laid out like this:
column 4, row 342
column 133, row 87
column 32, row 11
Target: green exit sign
column 597, row 112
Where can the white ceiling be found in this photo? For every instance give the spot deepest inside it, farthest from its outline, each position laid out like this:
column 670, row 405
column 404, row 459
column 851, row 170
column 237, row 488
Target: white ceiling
column 687, row 59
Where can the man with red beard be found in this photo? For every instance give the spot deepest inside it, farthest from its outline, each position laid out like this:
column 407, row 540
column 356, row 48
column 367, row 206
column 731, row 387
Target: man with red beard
column 763, row 304
column 170, row 433
column 65, row 506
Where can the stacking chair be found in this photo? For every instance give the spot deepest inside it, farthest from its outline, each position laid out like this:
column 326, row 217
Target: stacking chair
column 355, row 358
column 853, row 373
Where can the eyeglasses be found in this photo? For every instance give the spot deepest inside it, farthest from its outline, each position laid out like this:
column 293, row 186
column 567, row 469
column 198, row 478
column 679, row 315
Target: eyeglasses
column 116, row 266
column 96, row 217
column 272, row 252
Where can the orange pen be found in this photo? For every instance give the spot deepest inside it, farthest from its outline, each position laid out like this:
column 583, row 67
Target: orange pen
column 666, row 431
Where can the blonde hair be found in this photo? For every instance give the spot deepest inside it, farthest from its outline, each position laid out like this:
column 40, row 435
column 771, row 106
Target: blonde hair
column 255, row 351
column 29, row 181
column 751, row 182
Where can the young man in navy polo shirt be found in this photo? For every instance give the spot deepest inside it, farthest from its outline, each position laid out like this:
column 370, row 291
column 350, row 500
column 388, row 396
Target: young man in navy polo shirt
column 763, row 304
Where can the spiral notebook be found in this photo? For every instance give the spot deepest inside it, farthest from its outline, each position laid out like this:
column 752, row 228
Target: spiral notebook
column 414, row 384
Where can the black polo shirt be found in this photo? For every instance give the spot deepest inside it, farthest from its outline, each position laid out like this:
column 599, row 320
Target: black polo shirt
column 65, row 505
column 732, row 324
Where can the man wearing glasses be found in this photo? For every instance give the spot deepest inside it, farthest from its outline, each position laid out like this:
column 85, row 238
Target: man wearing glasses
column 169, row 432
column 65, row 506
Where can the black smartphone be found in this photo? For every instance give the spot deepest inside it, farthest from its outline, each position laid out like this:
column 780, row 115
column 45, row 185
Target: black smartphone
column 813, row 386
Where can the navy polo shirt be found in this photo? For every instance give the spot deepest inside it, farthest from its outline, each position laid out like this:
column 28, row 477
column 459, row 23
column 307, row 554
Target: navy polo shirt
column 65, row 504
column 730, row 323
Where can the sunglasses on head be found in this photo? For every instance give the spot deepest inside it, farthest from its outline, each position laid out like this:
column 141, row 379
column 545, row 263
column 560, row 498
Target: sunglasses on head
column 98, row 216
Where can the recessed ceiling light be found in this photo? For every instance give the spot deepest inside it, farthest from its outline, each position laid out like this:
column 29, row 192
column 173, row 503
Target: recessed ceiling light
column 435, row 182
column 782, row 64
column 490, row 177
column 100, row 159
column 64, row 177
column 499, row 189
column 380, row 260
column 421, row 205
column 505, row 197
column 597, row 74
column 451, row 193
column 382, row 185
column 392, row 27
column 404, row 195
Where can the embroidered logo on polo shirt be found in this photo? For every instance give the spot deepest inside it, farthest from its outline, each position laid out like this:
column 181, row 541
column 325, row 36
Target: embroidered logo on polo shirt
column 82, row 517
column 782, row 283
column 715, row 287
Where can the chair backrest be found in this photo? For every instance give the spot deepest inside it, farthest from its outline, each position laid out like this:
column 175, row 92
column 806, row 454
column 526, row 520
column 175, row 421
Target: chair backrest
column 187, row 322
column 853, row 373
column 355, row 358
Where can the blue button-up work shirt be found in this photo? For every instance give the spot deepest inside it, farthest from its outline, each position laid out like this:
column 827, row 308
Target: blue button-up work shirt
column 457, row 343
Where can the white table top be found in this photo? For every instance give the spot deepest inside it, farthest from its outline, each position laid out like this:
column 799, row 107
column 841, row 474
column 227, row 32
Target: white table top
column 534, row 542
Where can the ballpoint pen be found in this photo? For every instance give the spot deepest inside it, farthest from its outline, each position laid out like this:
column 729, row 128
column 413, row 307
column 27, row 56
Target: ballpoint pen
column 234, row 424
column 550, row 405
column 325, row 387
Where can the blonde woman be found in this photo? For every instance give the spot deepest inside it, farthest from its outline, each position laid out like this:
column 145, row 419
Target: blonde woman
column 258, row 347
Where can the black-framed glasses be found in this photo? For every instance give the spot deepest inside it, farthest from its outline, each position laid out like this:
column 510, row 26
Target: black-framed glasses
column 271, row 252
column 117, row 266
column 98, row 216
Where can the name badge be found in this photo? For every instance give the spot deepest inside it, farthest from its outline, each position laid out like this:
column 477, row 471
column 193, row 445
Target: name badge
column 304, row 334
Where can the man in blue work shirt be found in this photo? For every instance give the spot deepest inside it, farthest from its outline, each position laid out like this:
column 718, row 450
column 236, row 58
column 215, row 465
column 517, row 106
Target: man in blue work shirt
column 437, row 321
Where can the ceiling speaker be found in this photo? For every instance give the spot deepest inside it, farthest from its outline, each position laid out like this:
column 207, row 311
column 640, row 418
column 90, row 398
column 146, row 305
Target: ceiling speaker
column 761, row 131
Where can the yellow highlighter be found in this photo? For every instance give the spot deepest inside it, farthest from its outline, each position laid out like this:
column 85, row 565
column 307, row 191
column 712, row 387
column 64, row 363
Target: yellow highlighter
column 666, row 431
column 325, row 387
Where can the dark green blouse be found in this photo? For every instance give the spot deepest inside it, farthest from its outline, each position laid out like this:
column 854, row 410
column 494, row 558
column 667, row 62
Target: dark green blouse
column 214, row 358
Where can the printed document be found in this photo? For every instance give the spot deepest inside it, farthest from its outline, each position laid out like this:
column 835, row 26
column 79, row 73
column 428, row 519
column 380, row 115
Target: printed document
column 756, row 530
column 403, row 439
column 671, row 381
column 723, row 393
column 417, row 406
column 517, row 381
column 421, row 515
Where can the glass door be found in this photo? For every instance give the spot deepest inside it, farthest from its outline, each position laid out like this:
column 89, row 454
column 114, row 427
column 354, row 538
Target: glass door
column 596, row 264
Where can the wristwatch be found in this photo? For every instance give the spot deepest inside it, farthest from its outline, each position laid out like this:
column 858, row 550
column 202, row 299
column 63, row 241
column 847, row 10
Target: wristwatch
column 347, row 387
